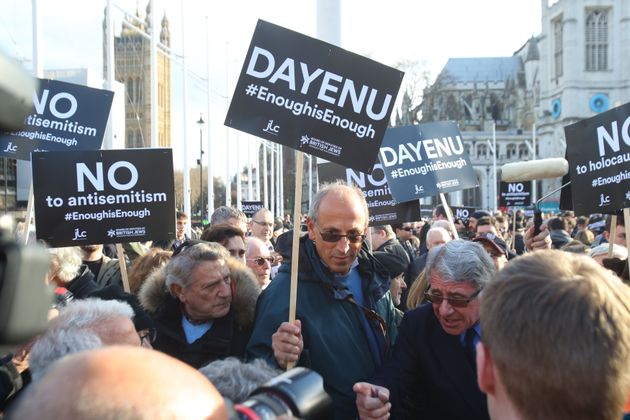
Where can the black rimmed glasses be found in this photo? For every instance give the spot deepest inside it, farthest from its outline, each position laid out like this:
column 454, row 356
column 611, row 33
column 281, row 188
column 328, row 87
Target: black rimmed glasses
column 455, row 302
column 335, row 236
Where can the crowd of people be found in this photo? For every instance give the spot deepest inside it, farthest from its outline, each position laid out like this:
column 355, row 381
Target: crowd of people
column 428, row 319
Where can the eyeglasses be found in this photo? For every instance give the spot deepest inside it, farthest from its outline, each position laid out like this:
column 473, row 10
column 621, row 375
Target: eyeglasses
column 408, row 228
column 454, row 302
column 335, row 237
column 269, row 225
column 148, row 337
column 261, row 260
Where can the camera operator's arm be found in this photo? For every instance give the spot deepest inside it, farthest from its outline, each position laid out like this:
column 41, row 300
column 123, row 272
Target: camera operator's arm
column 287, row 343
column 372, row 401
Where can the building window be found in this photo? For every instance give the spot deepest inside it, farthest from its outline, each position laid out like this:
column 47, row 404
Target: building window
column 510, row 151
column 139, row 142
column 130, row 91
column 139, row 90
column 482, row 151
column 557, row 46
column 596, row 40
column 523, row 151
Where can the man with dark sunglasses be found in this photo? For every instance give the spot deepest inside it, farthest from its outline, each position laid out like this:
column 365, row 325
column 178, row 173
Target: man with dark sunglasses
column 259, row 260
column 345, row 315
column 431, row 374
column 404, row 232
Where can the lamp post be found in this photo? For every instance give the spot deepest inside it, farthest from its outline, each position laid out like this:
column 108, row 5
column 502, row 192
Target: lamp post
column 200, row 161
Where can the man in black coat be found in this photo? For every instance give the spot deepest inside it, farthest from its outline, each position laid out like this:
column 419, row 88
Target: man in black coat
column 431, row 374
column 208, row 311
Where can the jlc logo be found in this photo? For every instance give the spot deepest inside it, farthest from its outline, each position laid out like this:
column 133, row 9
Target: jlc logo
column 79, row 234
column 11, row 148
column 272, row 129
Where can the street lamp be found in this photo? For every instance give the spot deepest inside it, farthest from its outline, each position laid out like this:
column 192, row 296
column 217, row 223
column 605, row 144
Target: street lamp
column 201, row 122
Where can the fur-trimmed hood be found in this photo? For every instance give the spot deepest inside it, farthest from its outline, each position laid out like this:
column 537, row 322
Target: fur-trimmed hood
column 245, row 291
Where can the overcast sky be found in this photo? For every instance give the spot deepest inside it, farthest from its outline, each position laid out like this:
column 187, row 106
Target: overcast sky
column 428, row 31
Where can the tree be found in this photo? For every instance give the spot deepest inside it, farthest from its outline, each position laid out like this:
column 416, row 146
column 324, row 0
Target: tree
column 409, row 105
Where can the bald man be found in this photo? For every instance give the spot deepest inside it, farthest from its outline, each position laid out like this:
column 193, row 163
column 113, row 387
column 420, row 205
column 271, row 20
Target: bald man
column 121, row 383
column 259, row 259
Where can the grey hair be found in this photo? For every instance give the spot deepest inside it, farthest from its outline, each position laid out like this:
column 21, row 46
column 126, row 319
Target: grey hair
column 225, row 213
column 65, row 263
column 179, row 269
column 336, row 187
column 460, row 261
column 51, row 347
column 74, row 330
column 236, row 380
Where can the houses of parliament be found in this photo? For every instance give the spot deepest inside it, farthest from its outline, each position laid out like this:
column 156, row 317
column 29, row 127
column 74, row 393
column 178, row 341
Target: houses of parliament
column 132, row 51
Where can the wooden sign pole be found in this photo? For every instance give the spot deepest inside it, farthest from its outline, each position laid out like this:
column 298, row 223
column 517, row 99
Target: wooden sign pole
column 123, row 267
column 295, row 250
column 611, row 235
column 449, row 215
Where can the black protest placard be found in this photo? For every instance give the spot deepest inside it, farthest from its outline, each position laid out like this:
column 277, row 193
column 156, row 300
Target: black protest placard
column 66, row 117
column 462, row 212
column 382, row 207
column 251, row 207
column 103, row 196
column 515, row 194
column 314, row 97
column 598, row 152
column 425, row 160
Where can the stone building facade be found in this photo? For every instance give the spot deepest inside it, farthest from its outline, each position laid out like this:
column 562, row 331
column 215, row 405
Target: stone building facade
column 132, row 50
column 572, row 70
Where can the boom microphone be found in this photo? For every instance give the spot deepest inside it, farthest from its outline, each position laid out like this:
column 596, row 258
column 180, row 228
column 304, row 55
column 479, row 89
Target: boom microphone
column 534, row 169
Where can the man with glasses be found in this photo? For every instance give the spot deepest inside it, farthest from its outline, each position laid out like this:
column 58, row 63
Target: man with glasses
column 259, row 259
column 261, row 226
column 345, row 316
column 431, row 374
column 404, row 232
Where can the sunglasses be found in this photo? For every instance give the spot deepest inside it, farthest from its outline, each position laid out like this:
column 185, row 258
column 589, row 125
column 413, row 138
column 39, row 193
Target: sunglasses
column 408, row 228
column 261, row 260
column 335, row 237
column 454, row 302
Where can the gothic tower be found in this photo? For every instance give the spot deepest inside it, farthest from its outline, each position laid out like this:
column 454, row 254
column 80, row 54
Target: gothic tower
column 132, row 51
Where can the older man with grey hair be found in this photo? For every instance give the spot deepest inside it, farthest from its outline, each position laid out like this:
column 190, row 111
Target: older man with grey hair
column 202, row 302
column 431, row 374
column 83, row 325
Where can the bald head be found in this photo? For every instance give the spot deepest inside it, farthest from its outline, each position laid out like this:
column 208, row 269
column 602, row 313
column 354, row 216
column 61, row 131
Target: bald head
column 437, row 236
column 128, row 383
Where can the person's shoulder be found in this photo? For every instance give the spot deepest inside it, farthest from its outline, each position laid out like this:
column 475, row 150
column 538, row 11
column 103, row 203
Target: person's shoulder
column 419, row 314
